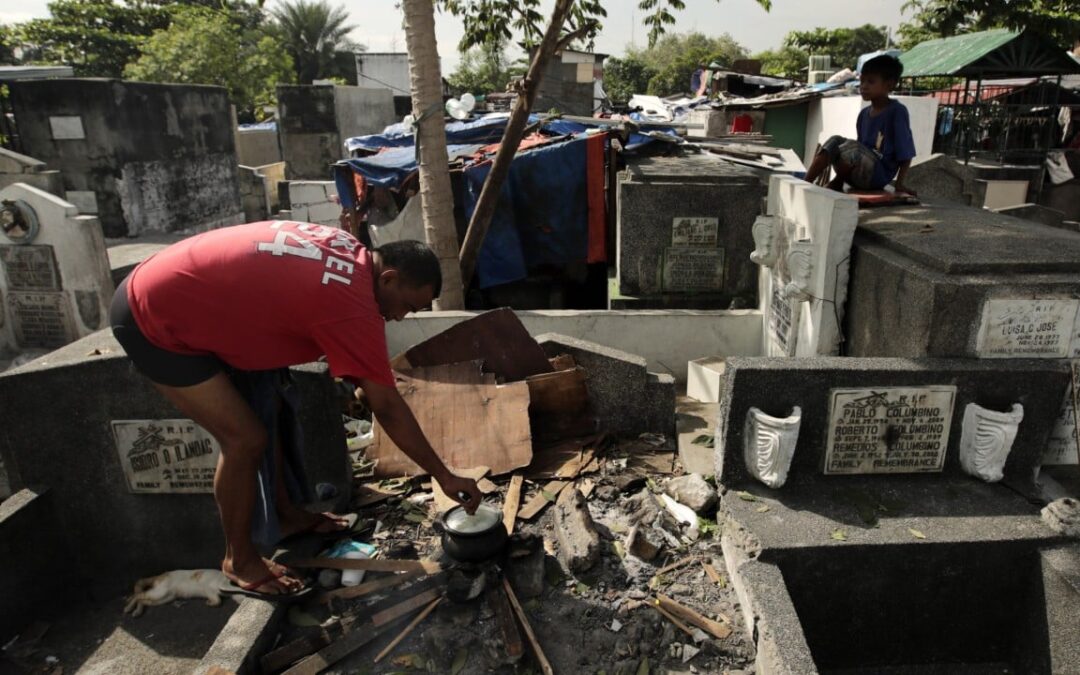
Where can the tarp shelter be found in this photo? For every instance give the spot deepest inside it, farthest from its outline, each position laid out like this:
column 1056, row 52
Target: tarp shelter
column 994, row 53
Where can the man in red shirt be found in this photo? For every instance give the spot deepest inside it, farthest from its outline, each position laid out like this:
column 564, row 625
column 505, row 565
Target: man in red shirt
column 265, row 296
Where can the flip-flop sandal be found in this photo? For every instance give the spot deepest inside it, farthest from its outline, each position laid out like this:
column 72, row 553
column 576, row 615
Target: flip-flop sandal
column 250, row 590
column 321, row 520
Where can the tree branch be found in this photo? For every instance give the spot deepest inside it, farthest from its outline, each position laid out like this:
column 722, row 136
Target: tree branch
column 565, row 41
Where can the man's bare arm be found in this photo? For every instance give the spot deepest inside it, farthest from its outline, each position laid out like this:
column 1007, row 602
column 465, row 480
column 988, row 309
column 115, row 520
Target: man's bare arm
column 900, row 175
column 400, row 424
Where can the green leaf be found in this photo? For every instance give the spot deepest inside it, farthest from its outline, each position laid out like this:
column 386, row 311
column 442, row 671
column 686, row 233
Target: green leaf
column 746, row 496
column 415, row 517
column 643, row 668
column 915, row 533
column 581, row 588
column 705, row 440
column 550, row 496
column 839, row 535
column 459, row 661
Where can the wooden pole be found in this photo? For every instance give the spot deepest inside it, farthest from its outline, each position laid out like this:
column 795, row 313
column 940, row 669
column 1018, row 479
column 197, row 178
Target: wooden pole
column 515, row 128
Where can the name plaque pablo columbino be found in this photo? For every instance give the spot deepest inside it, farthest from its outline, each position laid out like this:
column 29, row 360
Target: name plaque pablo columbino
column 890, row 430
column 166, row 456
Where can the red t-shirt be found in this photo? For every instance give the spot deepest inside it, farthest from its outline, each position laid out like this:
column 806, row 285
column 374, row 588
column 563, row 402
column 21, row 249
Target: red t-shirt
column 265, row 295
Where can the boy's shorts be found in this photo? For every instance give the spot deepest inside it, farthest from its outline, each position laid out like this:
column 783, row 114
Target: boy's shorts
column 860, row 158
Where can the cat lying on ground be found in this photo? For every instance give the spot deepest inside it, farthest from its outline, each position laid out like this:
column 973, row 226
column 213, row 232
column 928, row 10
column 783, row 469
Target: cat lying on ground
column 178, row 585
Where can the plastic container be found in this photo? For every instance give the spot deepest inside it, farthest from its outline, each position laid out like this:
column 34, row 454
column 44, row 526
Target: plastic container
column 353, row 577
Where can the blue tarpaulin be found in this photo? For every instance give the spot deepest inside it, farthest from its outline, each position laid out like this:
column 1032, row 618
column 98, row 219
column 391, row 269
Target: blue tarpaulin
column 542, row 217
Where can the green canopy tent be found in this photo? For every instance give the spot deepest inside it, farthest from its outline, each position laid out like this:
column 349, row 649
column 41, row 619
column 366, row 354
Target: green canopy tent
column 991, row 54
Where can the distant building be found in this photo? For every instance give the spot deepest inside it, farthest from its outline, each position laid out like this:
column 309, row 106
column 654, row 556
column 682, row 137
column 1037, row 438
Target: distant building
column 573, row 83
column 389, row 70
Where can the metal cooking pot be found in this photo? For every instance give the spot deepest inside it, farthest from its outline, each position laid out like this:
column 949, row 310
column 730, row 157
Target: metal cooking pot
column 472, row 538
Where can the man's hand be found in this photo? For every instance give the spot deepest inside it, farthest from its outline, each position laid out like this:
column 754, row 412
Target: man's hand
column 457, row 487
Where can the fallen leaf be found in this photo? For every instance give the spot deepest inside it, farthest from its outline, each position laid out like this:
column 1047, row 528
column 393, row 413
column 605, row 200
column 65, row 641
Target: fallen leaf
column 408, row 661
column 915, row 533
column 705, row 440
column 762, row 509
column 459, row 661
column 415, row 517
column 746, row 496
column 643, row 669
column 550, row 496
column 581, row 588
column 839, row 535
column 299, row 617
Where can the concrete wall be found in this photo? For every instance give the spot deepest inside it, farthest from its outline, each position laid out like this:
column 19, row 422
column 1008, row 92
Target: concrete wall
column 259, row 190
column 314, row 202
column 142, row 157
column 57, row 433
column 383, row 70
column 363, row 110
column 257, row 147
column 315, row 120
column 648, row 334
column 33, row 558
column 16, row 168
column 836, row 115
column 566, row 86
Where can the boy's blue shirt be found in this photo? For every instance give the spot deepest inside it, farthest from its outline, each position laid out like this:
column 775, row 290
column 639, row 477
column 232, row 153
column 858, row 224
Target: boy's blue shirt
column 889, row 134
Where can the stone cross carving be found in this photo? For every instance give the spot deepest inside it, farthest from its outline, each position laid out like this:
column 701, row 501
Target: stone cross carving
column 769, row 445
column 986, row 440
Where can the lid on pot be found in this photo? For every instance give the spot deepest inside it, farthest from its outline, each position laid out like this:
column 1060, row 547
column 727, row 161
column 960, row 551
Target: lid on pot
column 460, row 522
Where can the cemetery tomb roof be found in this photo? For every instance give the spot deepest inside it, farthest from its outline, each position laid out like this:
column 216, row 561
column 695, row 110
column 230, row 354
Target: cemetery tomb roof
column 992, row 53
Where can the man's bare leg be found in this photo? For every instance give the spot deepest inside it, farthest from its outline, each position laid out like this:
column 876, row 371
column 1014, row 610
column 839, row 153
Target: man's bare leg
column 217, row 406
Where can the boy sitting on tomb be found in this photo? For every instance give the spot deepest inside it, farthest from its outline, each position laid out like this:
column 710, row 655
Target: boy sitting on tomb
column 884, row 147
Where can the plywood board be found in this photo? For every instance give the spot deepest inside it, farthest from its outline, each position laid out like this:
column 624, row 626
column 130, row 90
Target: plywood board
column 498, row 338
column 469, row 420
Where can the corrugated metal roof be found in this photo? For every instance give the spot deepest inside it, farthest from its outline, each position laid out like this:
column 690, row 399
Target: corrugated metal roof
column 999, row 52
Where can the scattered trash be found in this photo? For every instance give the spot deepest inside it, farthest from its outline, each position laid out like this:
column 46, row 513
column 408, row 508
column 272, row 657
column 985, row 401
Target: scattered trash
column 916, row 533
column 839, row 535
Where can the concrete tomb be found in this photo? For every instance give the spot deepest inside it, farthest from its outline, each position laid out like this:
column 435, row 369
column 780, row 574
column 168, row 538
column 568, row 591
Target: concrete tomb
column 803, row 245
column 683, row 233
column 769, row 445
column 55, row 285
column 880, row 553
column 941, row 179
column 140, row 156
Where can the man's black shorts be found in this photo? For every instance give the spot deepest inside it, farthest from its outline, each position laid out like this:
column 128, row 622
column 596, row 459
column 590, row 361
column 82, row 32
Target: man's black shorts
column 160, row 365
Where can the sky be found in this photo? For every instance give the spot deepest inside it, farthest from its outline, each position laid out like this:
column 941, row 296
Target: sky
column 378, row 22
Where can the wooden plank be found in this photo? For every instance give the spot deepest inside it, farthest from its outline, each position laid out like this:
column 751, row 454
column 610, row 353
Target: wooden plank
column 425, row 566
column 504, row 619
column 292, row 652
column 406, row 607
column 586, row 486
column 538, row 501
column 676, row 565
column 678, row 624
column 691, row 617
column 513, row 501
column 334, row 652
column 560, row 393
column 498, row 338
column 471, row 421
column 713, row 574
column 408, row 629
column 545, row 665
column 371, row 586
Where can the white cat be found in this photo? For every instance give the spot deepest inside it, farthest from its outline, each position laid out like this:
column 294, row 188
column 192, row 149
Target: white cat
column 178, row 585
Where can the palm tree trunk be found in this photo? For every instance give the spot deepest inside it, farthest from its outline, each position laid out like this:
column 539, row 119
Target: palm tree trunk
column 437, row 199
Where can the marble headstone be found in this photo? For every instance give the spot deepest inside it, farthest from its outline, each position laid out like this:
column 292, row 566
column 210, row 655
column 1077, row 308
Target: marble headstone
column 803, row 245
column 55, row 284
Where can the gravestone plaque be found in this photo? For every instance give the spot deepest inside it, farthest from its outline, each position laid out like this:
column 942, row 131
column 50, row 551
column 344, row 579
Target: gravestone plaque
column 1026, row 328
column 694, row 231
column 780, row 322
column 41, row 320
column 693, row 269
column 1061, row 447
column 29, row 268
column 888, row 430
column 172, row 456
